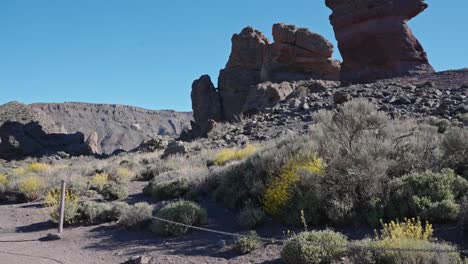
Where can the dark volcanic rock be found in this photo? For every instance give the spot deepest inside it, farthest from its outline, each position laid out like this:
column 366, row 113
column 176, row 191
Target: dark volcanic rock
column 243, row 70
column 375, row 40
column 175, row 147
column 298, row 54
column 19, row 141
column 206, row 104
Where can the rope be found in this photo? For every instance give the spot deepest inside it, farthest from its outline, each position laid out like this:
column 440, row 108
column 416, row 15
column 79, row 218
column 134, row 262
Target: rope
column 282, row 241
column 273, row 240
column 31, row 256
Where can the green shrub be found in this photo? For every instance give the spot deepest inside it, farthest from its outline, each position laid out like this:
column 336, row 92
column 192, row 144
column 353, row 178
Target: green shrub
column 402, row 257
column 95, row 213
column 247, row 244
column 250, row 217
column 429, row 195
column 363, row 150
column 136, row 216
column 168, row 189
column 455, row 150
column 112, row 191
column 360, row 252
column 117, row 210
column 184, row 212
column 314, row 247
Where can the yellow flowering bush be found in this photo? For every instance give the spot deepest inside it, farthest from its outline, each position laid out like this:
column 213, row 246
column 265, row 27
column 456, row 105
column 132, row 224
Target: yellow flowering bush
column 411, row 234
column 52, row 200
column 38, row 167
column 3, row 179
column 124, row 175
column 20, row 171
column 409, row 229
column 279, row 192
column 227, row 155
column 31, row 187
column 99, row 180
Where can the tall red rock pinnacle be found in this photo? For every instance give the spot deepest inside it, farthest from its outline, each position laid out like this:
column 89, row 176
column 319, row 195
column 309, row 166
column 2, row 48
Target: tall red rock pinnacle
column 375, row 40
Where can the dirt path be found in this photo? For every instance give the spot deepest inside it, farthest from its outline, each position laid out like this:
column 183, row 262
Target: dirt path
column 107, row 243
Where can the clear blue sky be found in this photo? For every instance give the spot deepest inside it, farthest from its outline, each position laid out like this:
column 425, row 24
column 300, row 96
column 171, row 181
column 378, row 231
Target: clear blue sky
column 148, row 52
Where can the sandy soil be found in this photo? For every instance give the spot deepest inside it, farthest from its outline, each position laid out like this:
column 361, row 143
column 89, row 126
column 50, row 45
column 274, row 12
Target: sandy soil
column 107, row 243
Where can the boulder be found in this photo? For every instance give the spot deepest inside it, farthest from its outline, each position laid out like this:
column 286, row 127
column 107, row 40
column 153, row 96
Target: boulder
column 93, row 142
column 153, row 144
column 266, row 95
column 375, row 40
column 174, row 148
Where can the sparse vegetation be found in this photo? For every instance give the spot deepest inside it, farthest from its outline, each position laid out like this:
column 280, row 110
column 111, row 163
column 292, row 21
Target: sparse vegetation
column 32, row 187
column 136, row 216
column 165, row 190
column 185, row 212
column 314, row 247
column 52, row 201
column 432, row 196
column 250, row 217
column 249, row 243
column 38, row 167
column 113, row 191
column 95, row 213
column 345, row 171
column 99, row 181
column 228, row 155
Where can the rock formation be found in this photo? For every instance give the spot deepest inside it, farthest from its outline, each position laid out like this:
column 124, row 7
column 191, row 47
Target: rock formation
column 375, row 40
column 93, row 142
column 206, row 103
column 295, row 54
column 298, row 54
column 18, row 141
column 243, row 70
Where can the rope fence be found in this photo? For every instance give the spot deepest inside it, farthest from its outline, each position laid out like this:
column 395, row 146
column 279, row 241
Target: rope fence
column 237, row 235
column 282, row 241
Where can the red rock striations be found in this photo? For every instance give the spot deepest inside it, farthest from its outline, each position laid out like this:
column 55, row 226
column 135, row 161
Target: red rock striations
column 375, row 40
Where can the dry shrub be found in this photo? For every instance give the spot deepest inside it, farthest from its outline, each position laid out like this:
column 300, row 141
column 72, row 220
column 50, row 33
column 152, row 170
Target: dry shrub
column 136, row 216
column 363, row 150
column 185, row 212
column 314, row 247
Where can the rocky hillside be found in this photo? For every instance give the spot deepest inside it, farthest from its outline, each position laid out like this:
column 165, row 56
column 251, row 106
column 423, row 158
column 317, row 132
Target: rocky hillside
column 18, row 112
column 117, row 126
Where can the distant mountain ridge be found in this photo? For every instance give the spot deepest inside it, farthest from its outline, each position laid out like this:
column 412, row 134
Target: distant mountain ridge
column 117, row 126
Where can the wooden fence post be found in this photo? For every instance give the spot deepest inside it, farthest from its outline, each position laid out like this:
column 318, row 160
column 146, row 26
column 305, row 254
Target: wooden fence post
column 62, row 207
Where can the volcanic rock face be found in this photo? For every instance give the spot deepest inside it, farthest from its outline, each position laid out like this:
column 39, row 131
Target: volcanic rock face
column 298, row 54
column 206, row 103
column 117, row 126
column 375, row 40
column 243, row 70
column 25, row 140
column 295, row 54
